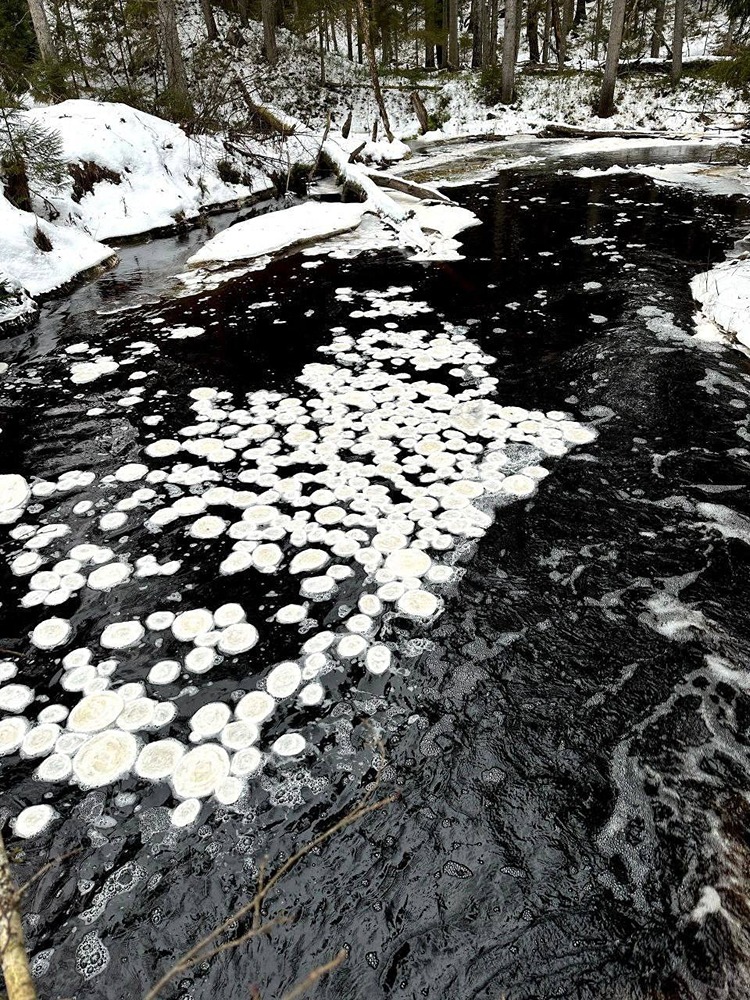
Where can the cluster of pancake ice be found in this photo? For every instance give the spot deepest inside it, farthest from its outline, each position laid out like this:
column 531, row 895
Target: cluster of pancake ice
column 405, row 458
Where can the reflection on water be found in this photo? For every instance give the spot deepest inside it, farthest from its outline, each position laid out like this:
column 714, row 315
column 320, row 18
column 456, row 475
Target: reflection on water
column 569, row 739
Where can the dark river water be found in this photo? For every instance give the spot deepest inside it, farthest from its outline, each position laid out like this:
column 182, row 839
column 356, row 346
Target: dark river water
column 568, row 739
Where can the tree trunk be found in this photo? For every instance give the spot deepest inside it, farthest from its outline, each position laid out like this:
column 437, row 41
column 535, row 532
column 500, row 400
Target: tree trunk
column 559, row 34
column 598, row 26
column 374, row 75
column 18, row 982
column 658, row 29
column 453, row 56
column 580, row 15
column 421, row 112
column 568, row 11
column 176, row 75
column 429, row 34
column 210, row 21
column 42, row 31
column 485, row 27
column 332, row 23
column 532, row 30
column 475, row 27
column 492, row 61
column 321, row 48
column 349, row 37
column 679, row 28
column 547, row 32
column 509, row 51
column 606, row 98
column 441, row 48
column 268, row 13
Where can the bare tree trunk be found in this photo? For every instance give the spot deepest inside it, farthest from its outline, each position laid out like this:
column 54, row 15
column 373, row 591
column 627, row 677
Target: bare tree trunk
column 441, row 47
column 334, row 39
column 532, row 30
column 559, row 35
column 580, row 14
column 421, row 112
column 321, row 48
column 606, row 98
column 268, row 14
column 658, row 29
column 485, row 27
column 568, row 11
column 429, row 34
column 493, row 34
column 349, row 37
column 453, row 57
column 598, row 27
column 509, row 51
column 176, row 75
column 374, row 75
column 679, row 29
column 475, row 27
column 42, row 31
column 547, row 31
column 18, row 982
column 209, row 20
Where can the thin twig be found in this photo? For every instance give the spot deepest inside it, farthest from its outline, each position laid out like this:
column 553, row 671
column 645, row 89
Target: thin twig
column 314, row 975
column 197, row 952
column 45, row 868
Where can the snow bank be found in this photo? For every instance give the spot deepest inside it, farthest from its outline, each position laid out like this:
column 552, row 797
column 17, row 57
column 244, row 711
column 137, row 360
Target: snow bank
column 724, row 296
column 127, row 173
column 25, row 264
column 277, row 231
column 152, row 174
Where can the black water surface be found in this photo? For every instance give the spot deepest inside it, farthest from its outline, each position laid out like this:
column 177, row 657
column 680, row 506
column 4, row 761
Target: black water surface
column 570, row 744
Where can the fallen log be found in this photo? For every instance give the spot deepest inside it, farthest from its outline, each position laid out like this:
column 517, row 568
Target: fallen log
column 562, row 131
column 397, row 217
column 408, row 187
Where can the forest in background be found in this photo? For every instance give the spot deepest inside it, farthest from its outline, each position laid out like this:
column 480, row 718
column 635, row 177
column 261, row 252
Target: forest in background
column 179, row 60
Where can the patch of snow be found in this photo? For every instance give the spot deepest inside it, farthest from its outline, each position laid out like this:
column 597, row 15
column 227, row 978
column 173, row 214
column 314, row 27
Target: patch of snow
column 277, row 231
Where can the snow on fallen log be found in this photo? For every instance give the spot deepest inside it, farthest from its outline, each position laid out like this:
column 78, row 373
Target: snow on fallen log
column 274, row 232
column 396, row 215
column 408, row 187
column 724, row 297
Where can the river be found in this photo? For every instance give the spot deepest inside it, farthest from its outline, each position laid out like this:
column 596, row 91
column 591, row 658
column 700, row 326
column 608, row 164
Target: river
column 565, row 726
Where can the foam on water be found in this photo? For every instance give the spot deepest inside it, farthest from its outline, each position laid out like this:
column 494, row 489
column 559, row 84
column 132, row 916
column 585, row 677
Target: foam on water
column 409, row 458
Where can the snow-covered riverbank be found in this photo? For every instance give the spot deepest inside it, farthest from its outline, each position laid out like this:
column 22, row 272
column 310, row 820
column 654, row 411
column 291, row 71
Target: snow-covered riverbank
column 125, row 173
column 128, row 173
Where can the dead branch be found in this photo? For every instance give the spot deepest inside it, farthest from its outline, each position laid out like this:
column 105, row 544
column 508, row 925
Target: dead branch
column 15, row 963
column 354, row 155
column 314, row 975
column 45, row 868
column 201, row 951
